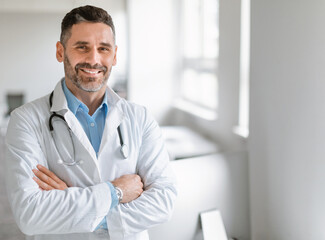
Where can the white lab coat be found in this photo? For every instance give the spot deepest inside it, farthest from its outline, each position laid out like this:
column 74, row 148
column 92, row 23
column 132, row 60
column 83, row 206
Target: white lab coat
column 75, row 212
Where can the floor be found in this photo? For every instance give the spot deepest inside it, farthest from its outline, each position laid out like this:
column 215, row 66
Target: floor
column 8, row 227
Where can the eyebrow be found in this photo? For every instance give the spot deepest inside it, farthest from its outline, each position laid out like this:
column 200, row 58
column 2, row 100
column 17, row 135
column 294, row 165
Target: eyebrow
column 86, row 43
column 80, row 43
column 106, row 44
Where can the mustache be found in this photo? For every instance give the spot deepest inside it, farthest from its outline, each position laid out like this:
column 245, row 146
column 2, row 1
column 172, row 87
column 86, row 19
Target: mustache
column 87, row 65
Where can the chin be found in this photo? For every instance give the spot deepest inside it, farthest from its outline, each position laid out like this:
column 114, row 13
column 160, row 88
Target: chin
column 92, row 87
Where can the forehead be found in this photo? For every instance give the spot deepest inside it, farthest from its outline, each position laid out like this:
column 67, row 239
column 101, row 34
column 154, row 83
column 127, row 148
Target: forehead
column 91, row 32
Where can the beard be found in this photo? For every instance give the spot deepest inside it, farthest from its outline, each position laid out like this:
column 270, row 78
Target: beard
column 88, row 84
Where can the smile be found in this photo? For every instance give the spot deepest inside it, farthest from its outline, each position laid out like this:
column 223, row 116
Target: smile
column 90, row 71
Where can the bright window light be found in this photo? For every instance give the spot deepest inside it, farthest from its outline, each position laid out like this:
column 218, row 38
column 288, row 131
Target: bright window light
column 200, row 52
column 243, row 123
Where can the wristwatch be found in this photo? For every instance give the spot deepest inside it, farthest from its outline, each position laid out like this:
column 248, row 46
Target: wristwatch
column 119, row 193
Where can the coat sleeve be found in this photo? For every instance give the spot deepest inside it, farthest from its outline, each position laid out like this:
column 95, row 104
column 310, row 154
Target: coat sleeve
column 155, row 205
column 46, row 212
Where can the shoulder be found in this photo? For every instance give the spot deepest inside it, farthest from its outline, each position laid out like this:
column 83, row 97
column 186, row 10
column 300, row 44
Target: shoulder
column 139, row 116
column 132, row 108
column 31, row 112
column 135, row 111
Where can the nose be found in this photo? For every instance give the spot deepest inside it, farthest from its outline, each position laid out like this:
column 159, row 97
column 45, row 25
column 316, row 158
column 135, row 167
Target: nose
column 93, row 57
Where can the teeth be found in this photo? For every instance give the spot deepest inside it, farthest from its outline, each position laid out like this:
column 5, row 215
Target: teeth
column 87, row 71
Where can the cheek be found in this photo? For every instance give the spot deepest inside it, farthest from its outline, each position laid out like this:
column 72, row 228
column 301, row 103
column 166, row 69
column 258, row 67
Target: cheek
column 108, row 58
column 74, row 59
column 73, row 62
column 111, row 61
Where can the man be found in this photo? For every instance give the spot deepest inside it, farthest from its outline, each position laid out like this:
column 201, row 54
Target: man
column 83, row 163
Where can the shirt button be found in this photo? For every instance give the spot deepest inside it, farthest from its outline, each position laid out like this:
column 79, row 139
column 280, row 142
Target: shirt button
column 92, row 124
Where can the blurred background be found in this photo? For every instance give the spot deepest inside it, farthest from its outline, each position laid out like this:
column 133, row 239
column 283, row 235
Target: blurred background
column 236, row 85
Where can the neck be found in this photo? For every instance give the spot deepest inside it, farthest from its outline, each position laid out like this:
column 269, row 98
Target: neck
column 91, row 99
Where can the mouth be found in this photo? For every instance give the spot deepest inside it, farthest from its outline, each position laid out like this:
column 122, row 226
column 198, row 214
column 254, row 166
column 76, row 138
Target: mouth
column 90, row 71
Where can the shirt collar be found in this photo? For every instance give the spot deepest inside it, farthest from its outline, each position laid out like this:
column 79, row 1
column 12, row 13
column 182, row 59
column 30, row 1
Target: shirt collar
column 74, row 103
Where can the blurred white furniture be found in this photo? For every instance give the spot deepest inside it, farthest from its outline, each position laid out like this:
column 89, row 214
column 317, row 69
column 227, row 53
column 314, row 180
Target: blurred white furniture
column 206, row 180
column 217, row 181
column 182, row 142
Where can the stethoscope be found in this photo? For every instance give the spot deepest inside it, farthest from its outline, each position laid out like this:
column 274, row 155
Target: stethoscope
column 124, row 148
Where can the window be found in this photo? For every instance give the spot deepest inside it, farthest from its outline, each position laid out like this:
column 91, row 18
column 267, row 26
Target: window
column 200, row 51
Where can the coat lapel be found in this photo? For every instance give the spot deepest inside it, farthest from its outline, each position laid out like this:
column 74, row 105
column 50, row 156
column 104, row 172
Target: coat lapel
column 60, row 106
column 114, row 117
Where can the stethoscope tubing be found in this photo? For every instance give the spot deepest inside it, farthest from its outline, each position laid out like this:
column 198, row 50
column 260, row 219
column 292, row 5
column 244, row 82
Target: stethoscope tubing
column 123, row 149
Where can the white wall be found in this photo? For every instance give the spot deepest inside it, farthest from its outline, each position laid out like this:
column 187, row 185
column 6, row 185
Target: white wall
column 28, row 49
column 57, row 6
column 287, row 131
column 152, row 54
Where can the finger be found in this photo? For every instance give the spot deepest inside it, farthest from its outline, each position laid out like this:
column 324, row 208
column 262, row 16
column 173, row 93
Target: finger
column 49, row 173
column 55, row 181
column 44, row 178
column 42, row 185
column 139, row 180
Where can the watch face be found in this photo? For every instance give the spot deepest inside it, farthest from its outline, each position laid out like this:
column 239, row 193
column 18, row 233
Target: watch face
column 119, row 194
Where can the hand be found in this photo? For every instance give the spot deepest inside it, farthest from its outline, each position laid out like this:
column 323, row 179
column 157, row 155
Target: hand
column 47, row 180
column 131, row 186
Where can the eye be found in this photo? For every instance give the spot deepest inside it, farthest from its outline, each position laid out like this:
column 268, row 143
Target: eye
column 104, row 49
column 81, row 47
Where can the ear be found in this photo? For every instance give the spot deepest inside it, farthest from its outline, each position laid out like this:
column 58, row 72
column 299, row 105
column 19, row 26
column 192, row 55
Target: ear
column 59, row 51
column 114, row 60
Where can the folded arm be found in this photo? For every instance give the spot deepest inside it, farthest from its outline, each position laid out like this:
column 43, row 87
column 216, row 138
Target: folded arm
column 71, row 210
column 130, row 184
column 155, row 205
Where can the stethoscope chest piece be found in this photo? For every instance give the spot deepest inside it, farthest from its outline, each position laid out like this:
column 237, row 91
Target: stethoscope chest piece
column 124, row 151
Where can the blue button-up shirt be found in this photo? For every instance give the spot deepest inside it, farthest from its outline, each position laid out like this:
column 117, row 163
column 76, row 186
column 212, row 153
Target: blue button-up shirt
column 94, row 128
